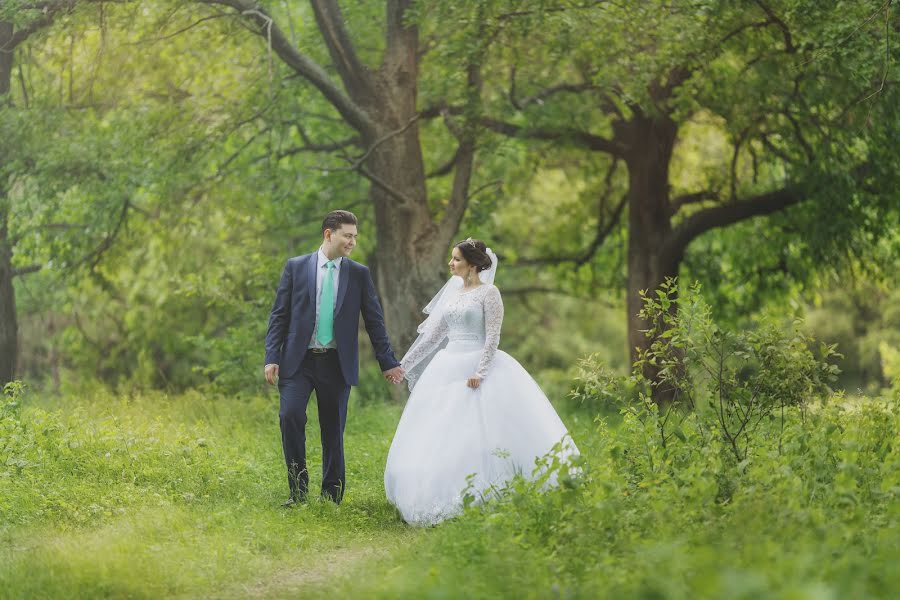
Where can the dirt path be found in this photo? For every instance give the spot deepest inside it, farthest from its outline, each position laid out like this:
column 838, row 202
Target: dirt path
column 312, row 578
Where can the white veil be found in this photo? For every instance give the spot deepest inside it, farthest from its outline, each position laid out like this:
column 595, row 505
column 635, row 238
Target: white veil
column 435, row 312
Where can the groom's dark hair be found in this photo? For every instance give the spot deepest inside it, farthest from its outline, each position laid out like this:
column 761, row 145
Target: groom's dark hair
column 336, row 218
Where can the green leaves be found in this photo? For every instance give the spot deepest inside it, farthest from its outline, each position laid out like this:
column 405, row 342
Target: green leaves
column 724, row 380
column 809, row 511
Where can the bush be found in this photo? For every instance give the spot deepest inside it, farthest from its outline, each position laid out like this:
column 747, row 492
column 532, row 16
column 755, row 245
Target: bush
column 811, row 513
column 724, row 381
column 756, row 482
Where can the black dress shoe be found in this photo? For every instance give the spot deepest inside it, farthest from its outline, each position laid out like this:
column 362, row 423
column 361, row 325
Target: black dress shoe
column 293, row 500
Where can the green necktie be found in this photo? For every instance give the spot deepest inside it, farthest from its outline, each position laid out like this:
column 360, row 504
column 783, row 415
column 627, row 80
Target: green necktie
column 326, row 307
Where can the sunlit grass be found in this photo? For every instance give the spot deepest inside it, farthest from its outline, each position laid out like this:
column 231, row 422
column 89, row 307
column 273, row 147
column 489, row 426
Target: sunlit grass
column 155, row 496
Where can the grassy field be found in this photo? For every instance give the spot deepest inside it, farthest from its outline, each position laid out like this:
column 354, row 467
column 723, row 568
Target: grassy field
column 157, row 496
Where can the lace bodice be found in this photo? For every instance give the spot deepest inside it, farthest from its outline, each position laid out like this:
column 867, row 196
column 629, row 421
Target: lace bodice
column 473, row 316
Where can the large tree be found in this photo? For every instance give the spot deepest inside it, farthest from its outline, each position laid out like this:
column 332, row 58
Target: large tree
column 12, row 35
column 367, row 65
column 375, row 93
column 799, row 92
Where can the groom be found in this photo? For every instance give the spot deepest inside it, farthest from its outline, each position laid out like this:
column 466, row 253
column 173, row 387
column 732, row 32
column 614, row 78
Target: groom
column 312, row 345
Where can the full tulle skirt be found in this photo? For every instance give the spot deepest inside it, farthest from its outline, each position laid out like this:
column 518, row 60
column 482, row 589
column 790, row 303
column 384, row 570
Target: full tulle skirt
column 454, row 441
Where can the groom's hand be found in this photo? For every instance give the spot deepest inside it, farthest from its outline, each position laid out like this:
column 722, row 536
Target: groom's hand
column 474, row 382
column 394, row 375
column 271, row 373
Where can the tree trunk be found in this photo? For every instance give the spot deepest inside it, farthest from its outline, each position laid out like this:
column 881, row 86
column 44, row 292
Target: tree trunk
column 650, row 142
column 380, row 104
column 412, row 245
column 408, row 272
column 6, row 60
column 8, row 324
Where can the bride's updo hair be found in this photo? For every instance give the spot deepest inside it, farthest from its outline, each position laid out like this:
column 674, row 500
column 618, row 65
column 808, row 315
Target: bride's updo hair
column 475, row 253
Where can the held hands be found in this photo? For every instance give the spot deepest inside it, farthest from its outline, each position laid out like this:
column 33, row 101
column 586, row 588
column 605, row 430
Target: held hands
column 474, row 381
column 394, row 375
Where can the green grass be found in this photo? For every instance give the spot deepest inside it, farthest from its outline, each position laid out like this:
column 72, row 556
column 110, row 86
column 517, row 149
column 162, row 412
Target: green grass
column 153, row 496
column 156, row 496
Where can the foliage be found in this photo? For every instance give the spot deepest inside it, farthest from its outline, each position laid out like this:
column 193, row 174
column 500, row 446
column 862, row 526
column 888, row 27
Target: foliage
column 733, row 379
column 810, row 516
column 778, row 93
column 150, row 495
column 726, row 382
column 176, row 143
column 863, row 318
column 154, row 495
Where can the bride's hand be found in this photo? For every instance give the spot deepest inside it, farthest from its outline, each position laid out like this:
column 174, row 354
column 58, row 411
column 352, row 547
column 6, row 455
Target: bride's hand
column 473, row 382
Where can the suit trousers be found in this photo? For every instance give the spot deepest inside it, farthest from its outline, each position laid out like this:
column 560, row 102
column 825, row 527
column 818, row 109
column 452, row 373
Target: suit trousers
column 320, row 372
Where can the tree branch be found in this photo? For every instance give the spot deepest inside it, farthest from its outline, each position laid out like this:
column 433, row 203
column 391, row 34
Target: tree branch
column 680, row 201
column 798, row 132
column 465, row 159
column 50, row 10
column 365, row 156
column 26, row 270
column 403, row 198
column 358, row 165
column 94, row 256
column 340, row 47
column 310, row 146
column 745, row 26
column 445, row 168
column 603, row 231
column 604, row 227
column 313, row 148
column 354, row 115
column 151, row 40
column 575, row 137
column 542, row 95
column 785, row 32
column 728, row 214
column 764, row 138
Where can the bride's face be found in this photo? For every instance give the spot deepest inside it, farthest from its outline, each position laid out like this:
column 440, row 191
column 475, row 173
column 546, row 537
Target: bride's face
column 458, row 264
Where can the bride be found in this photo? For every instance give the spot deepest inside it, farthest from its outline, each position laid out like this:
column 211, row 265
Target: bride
column 474, row 418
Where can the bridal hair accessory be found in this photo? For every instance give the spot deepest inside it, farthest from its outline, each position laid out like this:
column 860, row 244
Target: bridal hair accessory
column 470, row 241
column 487, row 276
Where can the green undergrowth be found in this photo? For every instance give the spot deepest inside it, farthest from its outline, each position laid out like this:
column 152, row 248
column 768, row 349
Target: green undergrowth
column 812, row 513
column 154, row 496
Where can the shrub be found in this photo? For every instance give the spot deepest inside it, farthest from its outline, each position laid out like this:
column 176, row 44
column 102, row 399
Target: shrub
column 725, row 381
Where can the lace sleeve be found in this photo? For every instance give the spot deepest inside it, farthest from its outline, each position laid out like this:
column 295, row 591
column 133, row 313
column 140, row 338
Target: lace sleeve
column 427, row 344
column 493, row 319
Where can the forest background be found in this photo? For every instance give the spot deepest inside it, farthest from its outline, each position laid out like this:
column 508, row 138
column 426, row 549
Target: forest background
column 159, row 161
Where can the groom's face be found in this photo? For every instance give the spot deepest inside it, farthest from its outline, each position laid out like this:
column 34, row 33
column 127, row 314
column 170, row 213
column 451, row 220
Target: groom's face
column 340, row 241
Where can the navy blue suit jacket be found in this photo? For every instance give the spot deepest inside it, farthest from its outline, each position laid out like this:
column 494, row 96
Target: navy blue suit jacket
column 293, row 318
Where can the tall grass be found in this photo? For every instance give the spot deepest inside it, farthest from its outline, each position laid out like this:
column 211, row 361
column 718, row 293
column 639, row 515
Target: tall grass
column 160, row 496
column 813, row 514
column 151, row 496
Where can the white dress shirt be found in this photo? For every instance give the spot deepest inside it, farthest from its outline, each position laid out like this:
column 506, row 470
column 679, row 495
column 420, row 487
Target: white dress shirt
column 321, row 270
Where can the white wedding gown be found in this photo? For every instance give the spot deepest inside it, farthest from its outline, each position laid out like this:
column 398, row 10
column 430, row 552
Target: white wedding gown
column 453, row 440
